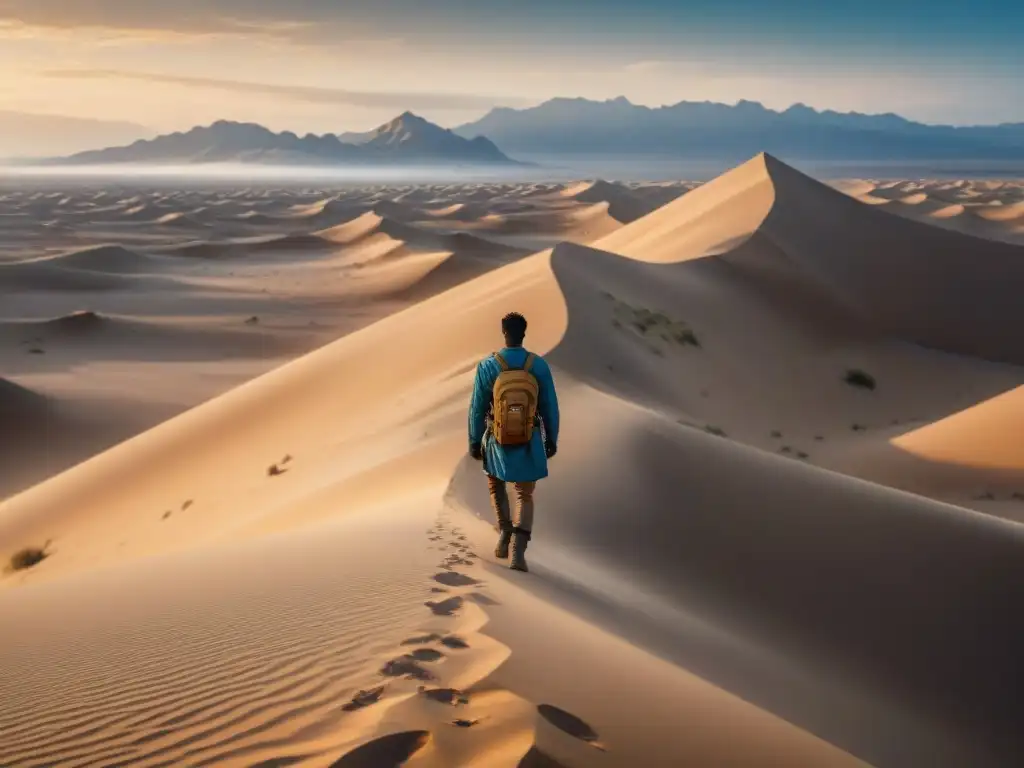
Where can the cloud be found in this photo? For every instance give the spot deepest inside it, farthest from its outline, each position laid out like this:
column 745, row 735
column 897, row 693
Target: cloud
column 310, row 94
column 301, row 21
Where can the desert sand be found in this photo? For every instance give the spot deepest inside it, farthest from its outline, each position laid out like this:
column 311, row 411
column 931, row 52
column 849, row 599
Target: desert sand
column 991, row 209
column 125, row 306
column 783, row 527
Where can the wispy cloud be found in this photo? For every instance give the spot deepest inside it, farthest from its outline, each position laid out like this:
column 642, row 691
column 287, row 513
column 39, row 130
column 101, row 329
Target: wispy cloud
column 310, row 94
column 304, row 21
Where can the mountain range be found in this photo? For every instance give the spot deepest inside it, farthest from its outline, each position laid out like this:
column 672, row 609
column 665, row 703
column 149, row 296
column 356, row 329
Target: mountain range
column 408, row 139
column 565, row 126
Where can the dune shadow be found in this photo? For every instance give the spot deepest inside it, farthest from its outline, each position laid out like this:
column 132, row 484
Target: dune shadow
column 568, row 723
column 386, row 752
column 537, row 759
column 281, row 762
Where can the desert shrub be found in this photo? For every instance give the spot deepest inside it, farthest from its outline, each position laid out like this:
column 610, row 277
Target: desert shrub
column 858, row 378
column 26, row 558
column 683, row 335
column 643, row 320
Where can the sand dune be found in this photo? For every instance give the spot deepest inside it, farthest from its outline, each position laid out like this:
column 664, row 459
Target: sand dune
column 296, row 571
column 623, row 206
column 101, row 258
column 984, row 209
column 984, row 435
column 373, row 224
column 92, row 337
column 19, row 406
column 47, row 274
column 179, row 219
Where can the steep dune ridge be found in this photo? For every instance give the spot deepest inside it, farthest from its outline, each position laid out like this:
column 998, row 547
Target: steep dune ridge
column 830, row 620
column 985, row 435
column 910, row 281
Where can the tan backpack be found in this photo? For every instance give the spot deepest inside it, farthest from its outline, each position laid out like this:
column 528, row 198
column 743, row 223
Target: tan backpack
column 515, row 403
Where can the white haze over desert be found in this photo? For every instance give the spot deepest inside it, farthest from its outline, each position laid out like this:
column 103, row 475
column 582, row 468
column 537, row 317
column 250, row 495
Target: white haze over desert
column 255, row 258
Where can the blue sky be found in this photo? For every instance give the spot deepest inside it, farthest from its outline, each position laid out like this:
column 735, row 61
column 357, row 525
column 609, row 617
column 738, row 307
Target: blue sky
column 330, row 64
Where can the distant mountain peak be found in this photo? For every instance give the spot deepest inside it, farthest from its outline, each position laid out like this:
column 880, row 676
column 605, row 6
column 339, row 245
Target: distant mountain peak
column 407, row 138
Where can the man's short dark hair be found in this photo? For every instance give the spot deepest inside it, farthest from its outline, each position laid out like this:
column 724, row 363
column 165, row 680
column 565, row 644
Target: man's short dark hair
column 513, row 326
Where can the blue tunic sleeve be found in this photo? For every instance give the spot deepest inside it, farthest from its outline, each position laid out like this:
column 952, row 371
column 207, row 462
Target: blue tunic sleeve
column 547, row 404
column 478, row 405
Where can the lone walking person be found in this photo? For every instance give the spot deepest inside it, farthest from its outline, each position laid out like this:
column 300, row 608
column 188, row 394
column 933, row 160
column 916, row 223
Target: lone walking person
column 513, row 431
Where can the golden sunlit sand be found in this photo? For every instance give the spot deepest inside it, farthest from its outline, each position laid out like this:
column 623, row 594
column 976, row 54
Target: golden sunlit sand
column 782, row 528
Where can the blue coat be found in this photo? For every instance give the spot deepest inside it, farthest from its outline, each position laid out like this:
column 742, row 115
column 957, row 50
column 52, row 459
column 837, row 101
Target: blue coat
column 520, row 463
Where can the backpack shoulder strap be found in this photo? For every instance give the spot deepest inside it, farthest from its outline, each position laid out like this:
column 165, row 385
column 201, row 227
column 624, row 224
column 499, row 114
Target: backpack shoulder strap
column 501, row 361
column 529, row 361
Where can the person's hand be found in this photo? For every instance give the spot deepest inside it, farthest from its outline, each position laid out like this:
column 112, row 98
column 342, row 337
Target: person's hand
column 476, row 450
column 550, row 449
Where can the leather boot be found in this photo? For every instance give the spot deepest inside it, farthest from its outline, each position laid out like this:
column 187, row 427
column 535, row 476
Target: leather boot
column 504, row 538
column 520, row 537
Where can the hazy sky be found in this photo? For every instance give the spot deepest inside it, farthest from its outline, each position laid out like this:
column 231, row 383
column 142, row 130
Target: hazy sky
column 333, row 65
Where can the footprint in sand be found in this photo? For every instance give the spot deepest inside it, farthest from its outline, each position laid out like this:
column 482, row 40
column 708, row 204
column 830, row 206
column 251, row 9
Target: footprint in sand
column 405, row 666
column 454, row 641
column 449, row 696
column 569, row 723
column 364, row 699
column 445, row 607
column 455, row 579
column 186, row 504
column 425, row 654
column 464, row 723
column 391, row 750
column 438, row 590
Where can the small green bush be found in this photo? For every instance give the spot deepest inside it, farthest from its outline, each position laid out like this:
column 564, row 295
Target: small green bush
column 858, row 378
column 684, row 335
